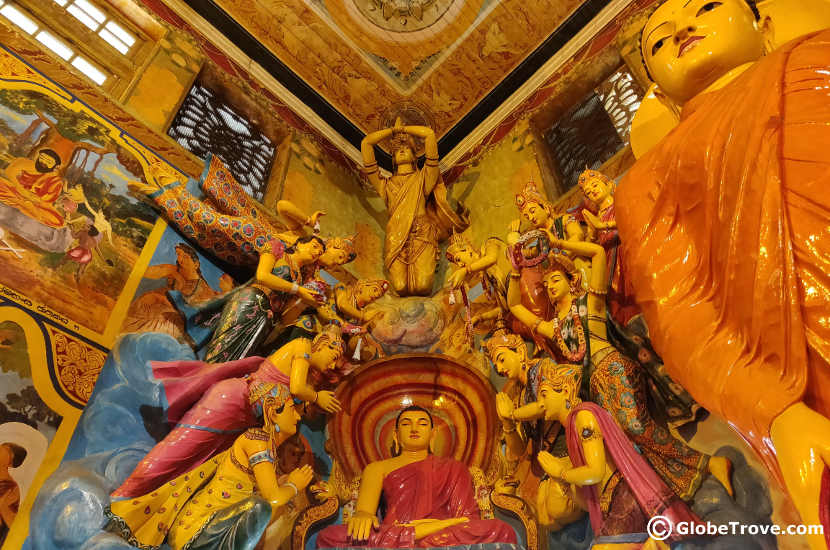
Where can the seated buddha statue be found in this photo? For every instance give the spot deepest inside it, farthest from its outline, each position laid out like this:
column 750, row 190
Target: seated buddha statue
column 429, row 500
column 724, row 232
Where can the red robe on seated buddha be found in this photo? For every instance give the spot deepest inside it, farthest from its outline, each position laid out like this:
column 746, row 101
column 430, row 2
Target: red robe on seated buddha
column 435, row 488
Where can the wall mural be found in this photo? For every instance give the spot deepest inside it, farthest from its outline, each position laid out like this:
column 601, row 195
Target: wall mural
column 528, row 355
column 73, row 231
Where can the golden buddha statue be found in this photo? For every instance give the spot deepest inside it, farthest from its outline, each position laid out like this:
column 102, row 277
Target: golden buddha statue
column 419, row 215
column 724, row 231
column 429, row 500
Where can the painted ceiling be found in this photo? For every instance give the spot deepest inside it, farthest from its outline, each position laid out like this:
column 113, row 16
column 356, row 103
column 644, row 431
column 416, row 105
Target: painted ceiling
column 360, row 63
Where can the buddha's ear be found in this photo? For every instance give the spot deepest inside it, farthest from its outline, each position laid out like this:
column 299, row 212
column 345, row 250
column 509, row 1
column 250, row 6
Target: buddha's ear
column 767, row 28
column 667, row 102
column 432, row 443
column 396, row 445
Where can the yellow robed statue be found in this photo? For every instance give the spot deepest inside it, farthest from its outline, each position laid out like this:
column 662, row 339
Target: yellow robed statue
column 419, row 214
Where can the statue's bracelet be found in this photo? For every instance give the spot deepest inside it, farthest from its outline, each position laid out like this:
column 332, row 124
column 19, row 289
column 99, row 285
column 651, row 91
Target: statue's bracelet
column 296, row 491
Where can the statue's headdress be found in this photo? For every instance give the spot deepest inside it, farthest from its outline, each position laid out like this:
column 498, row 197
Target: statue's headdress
column 330, row 334
column 531, row 194
column 458, row 242
column 503, row 338
column 560, row 262
column 402, row 139
column 383, row 284
column 588, row 174
column 343, row 243
column 563, row 378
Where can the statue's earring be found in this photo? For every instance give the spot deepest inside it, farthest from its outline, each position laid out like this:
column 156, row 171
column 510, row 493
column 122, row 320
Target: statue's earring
column 568, row 404
column 767, row 29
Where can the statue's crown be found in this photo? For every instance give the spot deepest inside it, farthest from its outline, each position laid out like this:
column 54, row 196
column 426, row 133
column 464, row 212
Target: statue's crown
column 344, row 243
column 530, row 193
column 589, row 174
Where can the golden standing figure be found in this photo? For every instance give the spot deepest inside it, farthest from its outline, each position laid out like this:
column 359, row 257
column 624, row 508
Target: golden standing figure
column 419, row 215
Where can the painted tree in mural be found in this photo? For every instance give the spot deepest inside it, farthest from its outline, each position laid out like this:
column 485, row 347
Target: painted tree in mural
column 81, row 142
column 29, row 404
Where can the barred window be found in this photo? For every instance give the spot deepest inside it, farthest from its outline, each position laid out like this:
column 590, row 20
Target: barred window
column 90, row 35
column 205, row 124
column 595, row 129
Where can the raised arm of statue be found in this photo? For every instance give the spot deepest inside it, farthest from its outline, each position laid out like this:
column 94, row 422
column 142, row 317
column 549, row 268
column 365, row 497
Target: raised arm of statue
column 431, row 153
column 599, row 275
column 295, row 218
column 514, row 302
column 370, row 163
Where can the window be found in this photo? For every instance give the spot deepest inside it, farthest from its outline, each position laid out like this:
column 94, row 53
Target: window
column 58, row 46
column 596, row 129
column 84, row 33
column 205, row 124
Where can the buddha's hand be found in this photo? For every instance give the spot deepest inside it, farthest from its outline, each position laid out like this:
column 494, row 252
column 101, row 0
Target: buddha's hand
column 327, row 401
column 301, row 477
column 360, row 525
column 457, row 277
column 504, row 407
column 550, row 465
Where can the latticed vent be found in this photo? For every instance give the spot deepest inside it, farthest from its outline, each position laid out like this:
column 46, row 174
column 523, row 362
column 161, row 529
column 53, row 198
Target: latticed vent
column 585, row 136
column 597, row 128
column 205, row 124
column 621, row 97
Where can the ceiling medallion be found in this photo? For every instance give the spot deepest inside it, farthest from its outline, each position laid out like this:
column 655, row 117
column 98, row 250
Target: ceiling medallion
column 402, row 16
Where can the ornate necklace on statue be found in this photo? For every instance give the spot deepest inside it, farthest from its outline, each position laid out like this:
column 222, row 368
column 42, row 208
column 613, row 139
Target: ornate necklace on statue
column 579, row 354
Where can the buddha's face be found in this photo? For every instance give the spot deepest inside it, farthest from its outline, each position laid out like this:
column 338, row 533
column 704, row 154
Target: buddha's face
column 287, row 419
column 557, row 286
column 309, row 251
column 552, row 402
column 508, row 362
column 414, row 431
column 595, row 189
column 404, row 155
column 325, row 354
column 334, row 256
column 688, row 44
column 463, row 256
column 535, row 213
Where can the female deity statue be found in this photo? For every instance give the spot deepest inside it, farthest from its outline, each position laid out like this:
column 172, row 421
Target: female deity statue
column 493, row 266
column 617, row 485
column 211, row 404
column 419, row 215
column 522, row 418
column 236, row 324
column 228, row 501
column 578, row 335
column 724, row 233
column 602, row 229
column 539, row 213
column 628, row 331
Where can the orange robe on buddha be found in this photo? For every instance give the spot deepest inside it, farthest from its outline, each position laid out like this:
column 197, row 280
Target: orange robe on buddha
column 725, row 227
column 46, row 187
